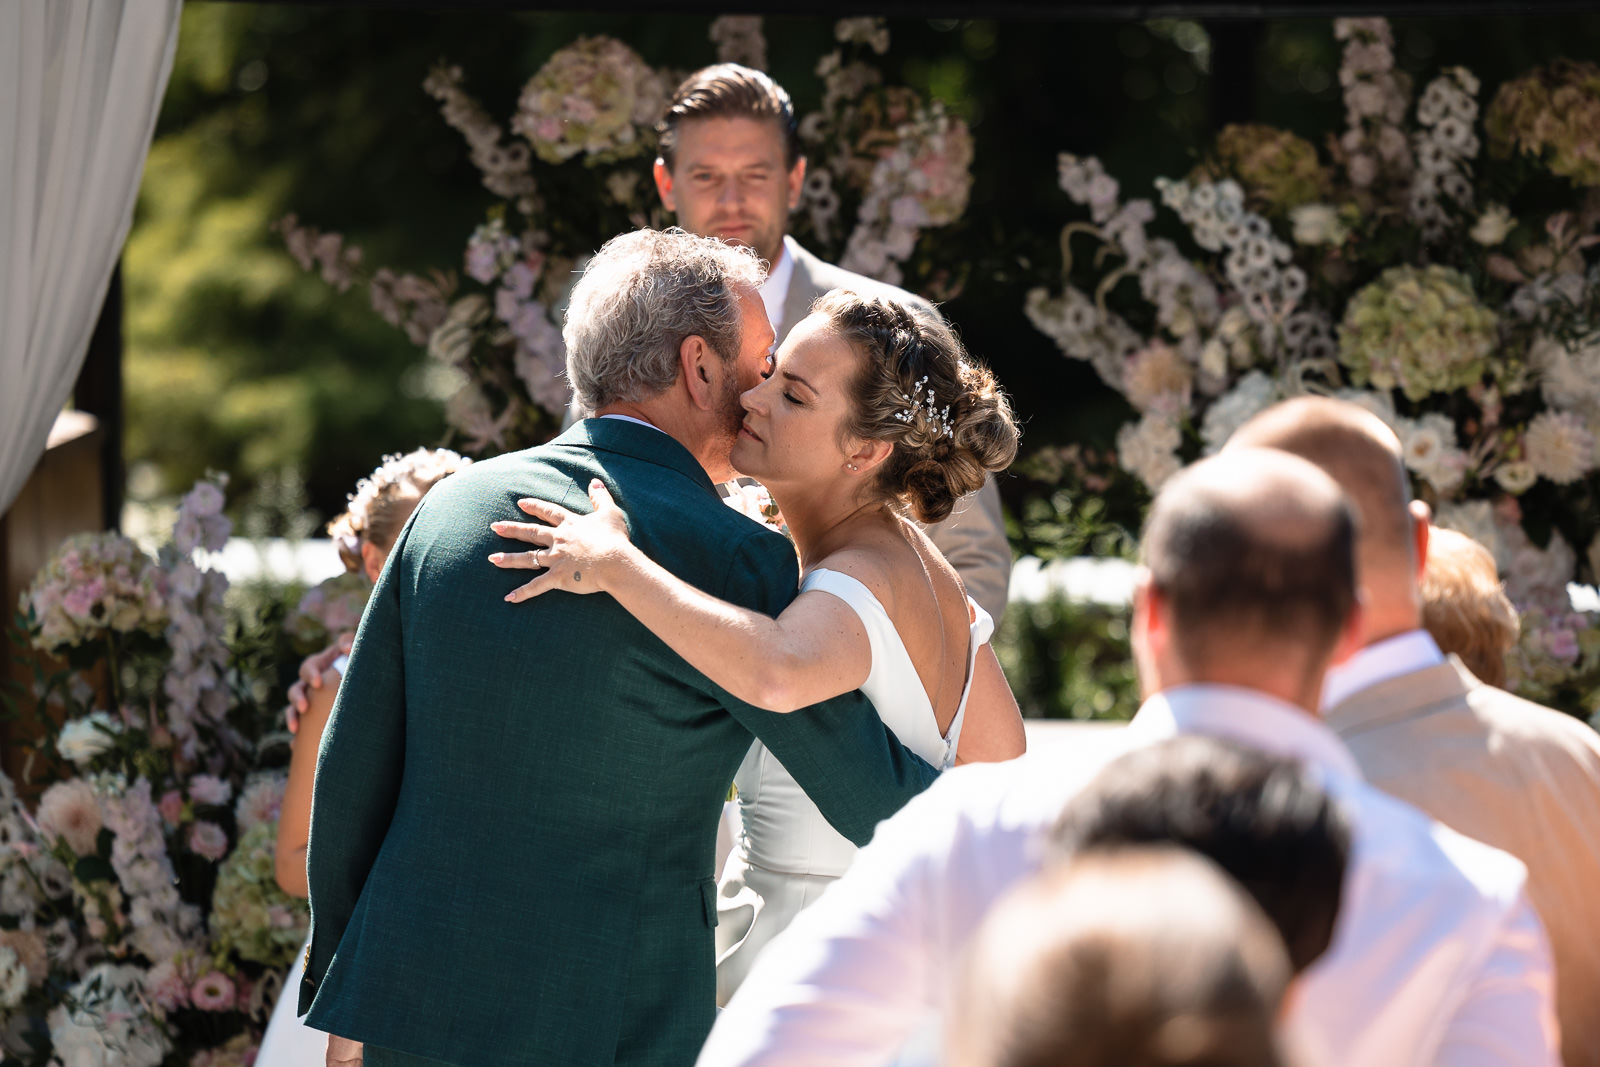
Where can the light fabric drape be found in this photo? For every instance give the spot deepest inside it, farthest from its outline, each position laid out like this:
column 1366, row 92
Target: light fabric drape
column 80, row 87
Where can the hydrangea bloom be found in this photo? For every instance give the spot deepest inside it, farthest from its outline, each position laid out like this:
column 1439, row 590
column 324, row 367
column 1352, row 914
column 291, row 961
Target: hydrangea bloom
column 94, row 584
column 1553, row 113
column 250, row 915
column 594, row 98
column 1421, row 330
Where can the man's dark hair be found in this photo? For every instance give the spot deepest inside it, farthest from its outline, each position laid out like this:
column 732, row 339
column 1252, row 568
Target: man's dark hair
column 1261, row 818
column 726, row 91
column 1235, row 576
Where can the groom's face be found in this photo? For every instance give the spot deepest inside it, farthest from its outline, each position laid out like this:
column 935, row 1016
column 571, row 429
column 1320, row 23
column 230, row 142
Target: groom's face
column 729, row 180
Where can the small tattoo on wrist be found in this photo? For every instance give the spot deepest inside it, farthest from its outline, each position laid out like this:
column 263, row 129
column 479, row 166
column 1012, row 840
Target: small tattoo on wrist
column 577, row 576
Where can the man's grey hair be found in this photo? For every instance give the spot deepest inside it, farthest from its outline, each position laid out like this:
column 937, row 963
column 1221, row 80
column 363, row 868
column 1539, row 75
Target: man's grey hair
column 641, row 296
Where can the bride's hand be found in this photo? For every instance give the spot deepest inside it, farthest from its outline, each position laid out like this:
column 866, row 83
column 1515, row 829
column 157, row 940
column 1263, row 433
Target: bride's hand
column 577, row 552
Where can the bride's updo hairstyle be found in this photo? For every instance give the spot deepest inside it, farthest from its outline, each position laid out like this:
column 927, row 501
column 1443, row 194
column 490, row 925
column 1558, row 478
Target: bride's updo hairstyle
column 917, row 389
column 384, row 499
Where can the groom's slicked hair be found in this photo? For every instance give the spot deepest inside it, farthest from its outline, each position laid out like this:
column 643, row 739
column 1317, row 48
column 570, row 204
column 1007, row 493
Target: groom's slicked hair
column 729, row 91
column 641, row 296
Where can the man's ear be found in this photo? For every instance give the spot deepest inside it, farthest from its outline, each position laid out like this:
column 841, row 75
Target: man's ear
column 663, row 178
column 797, row 182
column 701, row 370
column 1421, row 522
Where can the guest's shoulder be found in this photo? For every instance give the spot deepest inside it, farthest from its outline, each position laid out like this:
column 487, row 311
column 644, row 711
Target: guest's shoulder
column 824, row 276
column 1397, row 845
column 1516, row 720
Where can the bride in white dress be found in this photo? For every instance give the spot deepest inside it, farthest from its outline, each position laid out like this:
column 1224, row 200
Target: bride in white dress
column 868, row 413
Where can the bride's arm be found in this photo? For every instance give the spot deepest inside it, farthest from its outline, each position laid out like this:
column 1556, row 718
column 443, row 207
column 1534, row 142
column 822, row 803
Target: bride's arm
column 992, row 729
column 816, row 649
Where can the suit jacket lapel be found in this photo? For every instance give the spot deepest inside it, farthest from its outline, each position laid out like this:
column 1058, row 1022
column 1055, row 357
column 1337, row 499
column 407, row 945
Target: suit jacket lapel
column 803, row 288
column 1407, row 696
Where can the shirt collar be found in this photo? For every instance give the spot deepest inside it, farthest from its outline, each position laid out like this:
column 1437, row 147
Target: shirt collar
column 1247, row 716
column 630, row 418
column 775, row 289
column 1413, row 650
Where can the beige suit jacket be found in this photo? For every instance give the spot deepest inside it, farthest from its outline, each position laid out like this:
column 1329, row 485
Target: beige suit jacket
column 1510, row 773
column 973, row 538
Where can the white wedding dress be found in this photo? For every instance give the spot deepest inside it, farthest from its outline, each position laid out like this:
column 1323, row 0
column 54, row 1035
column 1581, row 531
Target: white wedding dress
column 787, row 853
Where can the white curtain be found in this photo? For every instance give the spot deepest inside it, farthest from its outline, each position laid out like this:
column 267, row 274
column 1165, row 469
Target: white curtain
column 80, row 87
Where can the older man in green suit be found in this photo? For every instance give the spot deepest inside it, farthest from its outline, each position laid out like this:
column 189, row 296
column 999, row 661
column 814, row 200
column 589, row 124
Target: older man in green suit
column 516, row 805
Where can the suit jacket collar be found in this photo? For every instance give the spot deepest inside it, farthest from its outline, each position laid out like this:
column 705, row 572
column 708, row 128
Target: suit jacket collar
column 640, row 442
column 1405, row 696
column 804, row 286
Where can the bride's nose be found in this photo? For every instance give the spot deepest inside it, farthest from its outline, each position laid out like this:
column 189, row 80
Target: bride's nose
column 751, row 400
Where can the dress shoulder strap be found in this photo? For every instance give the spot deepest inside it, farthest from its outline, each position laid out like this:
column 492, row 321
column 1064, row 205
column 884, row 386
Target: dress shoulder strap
column 981, row 630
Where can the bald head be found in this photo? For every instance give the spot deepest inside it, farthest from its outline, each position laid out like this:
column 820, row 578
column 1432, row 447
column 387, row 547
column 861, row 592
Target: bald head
column 1356, row 449
column 1251, row 554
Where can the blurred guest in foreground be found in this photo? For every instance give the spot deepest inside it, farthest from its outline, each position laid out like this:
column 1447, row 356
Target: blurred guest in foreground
column 1506, row 771
column 1094, row 963
column 1464, row 606
column 1248, row 595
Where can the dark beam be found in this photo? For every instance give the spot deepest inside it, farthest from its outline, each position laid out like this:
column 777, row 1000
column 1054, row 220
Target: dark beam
column 997, row 9
column 98, row 391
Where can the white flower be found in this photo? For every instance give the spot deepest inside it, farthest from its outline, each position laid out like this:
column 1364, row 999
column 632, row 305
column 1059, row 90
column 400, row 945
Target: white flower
column 1559, row 446
column 1475, row 518
column 83, row 739
column 1493, row 226
column 1148, row 449
column 13, row 978
column 1253, row 394
column 70, row 810
column 1516, row 477
column 107, row 1023
column 1317, row 224
column 1568, row 379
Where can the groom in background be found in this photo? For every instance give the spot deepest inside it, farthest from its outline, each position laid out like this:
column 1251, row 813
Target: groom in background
column 732, row 167
column 516, row 805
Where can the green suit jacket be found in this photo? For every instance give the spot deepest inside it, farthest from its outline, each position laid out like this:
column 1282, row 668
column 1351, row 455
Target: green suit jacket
column 516, row 804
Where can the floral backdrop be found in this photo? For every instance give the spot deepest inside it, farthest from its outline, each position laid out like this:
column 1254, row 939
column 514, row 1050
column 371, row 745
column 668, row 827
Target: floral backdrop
column 1410, row 261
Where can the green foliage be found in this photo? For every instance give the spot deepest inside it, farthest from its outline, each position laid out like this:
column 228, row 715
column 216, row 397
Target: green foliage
column 1068, row 660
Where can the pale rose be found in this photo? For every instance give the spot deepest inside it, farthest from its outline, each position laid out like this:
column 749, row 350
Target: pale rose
column 171, row 807
column 213, row 992
column 165, row 986
column 208, row 839
column 1317, row 224
column 259, row 802
column 69, row 810
column 1493, row 226
column 207, row 789
column 83, row 739
column 1516, row 477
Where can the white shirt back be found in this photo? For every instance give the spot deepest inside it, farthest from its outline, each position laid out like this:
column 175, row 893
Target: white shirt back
column 1437, row 957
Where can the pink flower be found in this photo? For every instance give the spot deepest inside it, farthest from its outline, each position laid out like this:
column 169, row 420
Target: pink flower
column 165, row 987
column 206, row 789
column 213, row 992
column 171, row 807
column 207, row 839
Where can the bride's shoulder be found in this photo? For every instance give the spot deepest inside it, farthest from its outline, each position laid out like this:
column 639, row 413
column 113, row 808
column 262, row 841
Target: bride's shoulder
column 868, row 565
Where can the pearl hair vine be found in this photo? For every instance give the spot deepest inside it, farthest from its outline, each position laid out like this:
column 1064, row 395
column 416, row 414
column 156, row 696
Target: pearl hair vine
column 921, row 406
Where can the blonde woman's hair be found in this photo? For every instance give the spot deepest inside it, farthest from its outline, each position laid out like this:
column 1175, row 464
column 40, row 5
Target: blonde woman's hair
column 1465, row 607
column 1140, row 956
column 384, row 499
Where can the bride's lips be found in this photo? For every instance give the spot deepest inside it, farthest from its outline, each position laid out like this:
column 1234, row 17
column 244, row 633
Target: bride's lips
column 746, row 431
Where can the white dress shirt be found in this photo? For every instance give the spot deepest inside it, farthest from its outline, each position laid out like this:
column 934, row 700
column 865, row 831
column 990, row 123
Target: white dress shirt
column 775, row 289
column 1414, row 650
column 1437, row 957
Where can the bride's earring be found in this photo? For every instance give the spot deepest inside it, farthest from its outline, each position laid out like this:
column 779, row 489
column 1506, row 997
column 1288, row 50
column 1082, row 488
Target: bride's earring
column 852, row 466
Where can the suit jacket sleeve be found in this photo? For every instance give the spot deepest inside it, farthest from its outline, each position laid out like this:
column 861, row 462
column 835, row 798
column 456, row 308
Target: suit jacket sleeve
column 359, row 766
column 843, row 755
column 1508, row 1017
column 973, row 539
